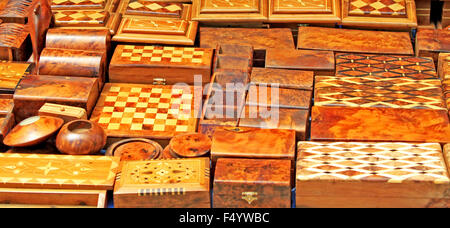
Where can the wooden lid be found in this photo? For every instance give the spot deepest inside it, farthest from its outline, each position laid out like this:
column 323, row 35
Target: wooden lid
column 135, row 149
column 33, row 130
column 190, row 145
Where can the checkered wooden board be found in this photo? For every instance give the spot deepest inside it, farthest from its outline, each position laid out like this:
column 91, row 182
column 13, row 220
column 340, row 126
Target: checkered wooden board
column 88, row 17
column 371, row 162
column 389, row 8
column 152, row 8
column 388, row 66
column 78, row 4
column 138, row 110
column 378, row 92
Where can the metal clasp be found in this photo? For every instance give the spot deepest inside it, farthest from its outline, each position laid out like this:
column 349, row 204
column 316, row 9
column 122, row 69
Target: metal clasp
column 159, row 81
column 250, row 196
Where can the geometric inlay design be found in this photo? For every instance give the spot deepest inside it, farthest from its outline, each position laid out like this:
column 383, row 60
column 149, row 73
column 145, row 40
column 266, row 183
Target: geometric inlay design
column 391, row 8
column 151, row 8
column 159, row 54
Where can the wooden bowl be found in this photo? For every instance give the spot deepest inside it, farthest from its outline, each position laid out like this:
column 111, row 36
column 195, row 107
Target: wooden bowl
column 166, row 154
column 80, row 137
column 136, row 149
column 32, row 131
column 190, row 145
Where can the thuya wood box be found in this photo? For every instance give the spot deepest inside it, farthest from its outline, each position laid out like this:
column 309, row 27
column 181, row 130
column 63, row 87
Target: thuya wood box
column 97, row 20
column 252, row 183
column 173, row 183
column 431, row 42
column 274, row 96
column 355, row 174
column 354, row 41
column 16, row 11
column 78, row 39
column 306, row 12
column 11, row 73
column 34, row 91
column 14, row 42
column 167, row 65
column 229, row 10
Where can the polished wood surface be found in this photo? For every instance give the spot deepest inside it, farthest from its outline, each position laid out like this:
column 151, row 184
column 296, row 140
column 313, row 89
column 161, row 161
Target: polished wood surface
column 355, row 41
column 67, row 113
column 190, row 145
column 430, row 42
column 175, row 183
column 78, row 4
column 252, row 183
column 135, row 149
column 80, row 137
column 379, row 124
column 78, row 39
column 295, row 79
column 16, row 11
column 271, row 96
column 305, row 11
column 229, row 10
column 47, row 147
column 11, row 73
column 40, row 19
column 13, row 42
column 32, row 131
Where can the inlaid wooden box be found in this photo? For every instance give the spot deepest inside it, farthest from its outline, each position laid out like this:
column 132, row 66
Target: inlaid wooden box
column 252, row 183
column 174, row 183
column 6, row 115
column 97, row 19
column 157, row 64
column 354, row 174
column 229, row 10
column 14, row 42
column 34, row 91
column 78, row 4
column 11, row 73
column 16, row 11
column 354, row 41
column 431, row 42
column 394, row 14
column 156, row 9
column 306, row 12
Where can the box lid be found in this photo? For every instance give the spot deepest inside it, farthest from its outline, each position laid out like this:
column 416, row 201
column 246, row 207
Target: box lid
column 296, row 79
column 271, row 96
column 315, row 60
column 57, row 171
column 435, row 40
column 159, row 177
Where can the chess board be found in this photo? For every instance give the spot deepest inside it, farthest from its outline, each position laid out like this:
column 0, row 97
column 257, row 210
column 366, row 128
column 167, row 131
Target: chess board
column 149, row 111
column 164, row 55
column 305, row 11
column 379, row 92
column 78, row 4
column 81, row 18
column 229, row 10
column 11, row 73
column 154, row 8
column 385, row 66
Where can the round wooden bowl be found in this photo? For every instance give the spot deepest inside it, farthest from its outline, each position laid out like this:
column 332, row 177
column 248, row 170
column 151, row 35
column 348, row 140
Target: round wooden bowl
column 32, row 131
column 136, row 149
column 80, row 137
column 190, row 145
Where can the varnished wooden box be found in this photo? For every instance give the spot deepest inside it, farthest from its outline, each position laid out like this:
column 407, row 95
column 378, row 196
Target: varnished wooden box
column 11, row 73
column 229, row 10
column 16, row 11
column 7, row 120
column 34, row 91
column 431, row 42
column 14, row 42
column 157, row 64
column 252, row 183
column 174, row 183
column 305, row 12
column 355, row 174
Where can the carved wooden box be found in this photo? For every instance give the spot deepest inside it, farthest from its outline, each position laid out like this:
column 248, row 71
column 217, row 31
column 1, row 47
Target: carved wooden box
column 174, row 183
column 11, row 73
column 431, row 42
column 252, row 183
column 34, row 91
column 392, row 14
column 149, row 111
column 352, row 174
column 354, row 41
column 14, row 42
column 229, row 10
column 167, row 65
column 307, row 11
column 16, row 11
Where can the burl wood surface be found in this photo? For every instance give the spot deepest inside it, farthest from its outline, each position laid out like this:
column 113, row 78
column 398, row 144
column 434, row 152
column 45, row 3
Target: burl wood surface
column 190, row 145
column 379, row 124
column 67, row 62
column 135, row 149
column 355, row 41
column 78, row 39
column 376, row 92
column 295, row 79
column 385, row 66
column 305, row 11
column 57, row 171
column 176, row 183
column 80, row 137
column 244, row 51
column 13, row 45
column 362, row 172
column 247, row 142
column 34, row 91
column 260, row 39
column 15, row 11
column 271, row 96
column 32, row 131
column 229, row 10
column 429, row 41
column 11, row 73
column 321, row 62
column 247, row 183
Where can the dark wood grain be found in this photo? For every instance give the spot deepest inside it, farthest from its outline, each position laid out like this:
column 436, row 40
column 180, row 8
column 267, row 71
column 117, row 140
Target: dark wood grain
column 430, row 42
column 295, row 79
column 79, row 39
column 271, row 96
column 190, row 145
column 80, row 137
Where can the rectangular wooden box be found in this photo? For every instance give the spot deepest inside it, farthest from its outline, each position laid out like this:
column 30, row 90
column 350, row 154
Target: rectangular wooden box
column 229, row 10
column 272, row 96
column 67, row 113
column 355, row 41
column 168, row 9
column 149, row 64
column 305, row 12
column 51, row 198
column 16, row 11
column 431, row 42
column 78, row 4
column 252, row 183
column 174, row 183
column 34, row 91
column 15, row 44
column 354, row 174
column 11, row 73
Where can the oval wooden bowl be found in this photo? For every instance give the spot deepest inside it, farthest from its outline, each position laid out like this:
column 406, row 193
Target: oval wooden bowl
column 80, row 137
column 136, row 149
column 32, row 131
column 190, row 145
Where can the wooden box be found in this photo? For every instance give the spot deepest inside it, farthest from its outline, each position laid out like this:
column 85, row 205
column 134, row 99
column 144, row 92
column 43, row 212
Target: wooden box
column 423, row 13
column 305, row 12
column 379, row 124
column 293, row 79
column 162, row 9
column 167, row 65
column 394, row 14
column 78, row 39
column 150, row 111
column 229, row 10
column 272, row 96
column 384, row 66
column 67, row 113
column 252, row 183
column 6, row 116
column 355, row 41
column 352, row 174
column 78, row 4
column 34, row 91
column 431, row 42
column 14, row 42
column 174, row 183
column 98, row 19
column 16, row 11
column 11, row 73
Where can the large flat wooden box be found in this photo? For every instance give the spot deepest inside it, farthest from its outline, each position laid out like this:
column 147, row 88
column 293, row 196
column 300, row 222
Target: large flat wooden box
column 175, row 183
column 252, row 183
column 306, row 12
column 34, row 91
column 229, row 10
column 170, row 65
column 388, row 175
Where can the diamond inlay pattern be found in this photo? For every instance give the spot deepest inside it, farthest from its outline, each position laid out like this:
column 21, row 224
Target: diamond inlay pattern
column 377, row 7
